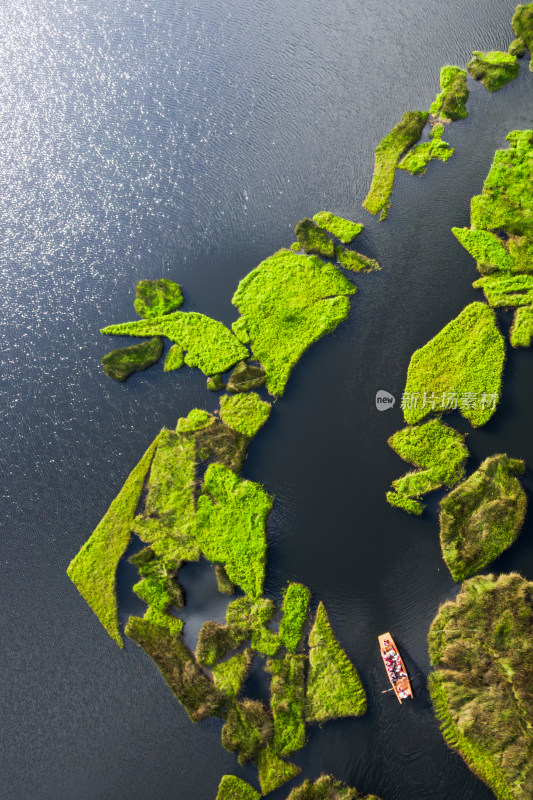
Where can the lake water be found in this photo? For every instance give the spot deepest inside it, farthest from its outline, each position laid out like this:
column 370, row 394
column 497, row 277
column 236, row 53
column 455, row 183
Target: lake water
column 149, row 139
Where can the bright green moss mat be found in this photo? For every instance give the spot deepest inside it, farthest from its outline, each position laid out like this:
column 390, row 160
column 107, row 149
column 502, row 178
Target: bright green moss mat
column 354, row 261
column 231, row 519
column 233, row 788
column 224, row 585
column 248, row 729
column 482, row 647
column 215, row 383
column 494, row 69
column 273, row 771
column 119, row 364
column 287, row 303
column 209, row 345
column 506, row 202
column 195, row 420
column 295, row 613
column 230, row 675
column 438, row 451
column 488, row 250
column 417, row 159
column 517, row 48
column 193, row 688
column 155, row 298
column 507, row 291
column 342, row 228
column 327, row 788
column 246, row 377
column 521, row 333
column 175, row 358
column 460, row 367
column 168, row 520
column 313, row 239
column 216, row 641
column 387, row 155
column 450, row 103
column 245, row 413
column 333, row 685
column 405, row 503
column 522, row 23
column 482, row 517
column 287, row 699
column 93, row 570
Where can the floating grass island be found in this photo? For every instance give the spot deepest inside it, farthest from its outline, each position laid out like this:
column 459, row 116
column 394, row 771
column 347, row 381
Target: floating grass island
column 450, row 103
column 481, row 645
column 494, row 69
column 420, row 155
column 522, row 23
column 313, row 239
column 341, row 228
column 120, row 364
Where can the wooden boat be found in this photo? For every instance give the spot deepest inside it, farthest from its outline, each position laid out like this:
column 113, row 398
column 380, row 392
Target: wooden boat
column 386, row 645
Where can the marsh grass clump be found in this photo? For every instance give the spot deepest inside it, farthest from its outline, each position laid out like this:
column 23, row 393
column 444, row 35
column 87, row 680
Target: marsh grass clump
column 313, row 239
column 334, row 688
column 155, row 298
column 486, row 248
column 193, row 688
column 342, row 228
column 439, row 453
column 120, row 363
column 215, row 383
column 233, row 788
column 93, row 569
column 461, row 367
column 209, row 345
column 214, row 642
column 327, row 788
column 517, row 48
column 248, row 729
column 246, row 377
column 287, row 700
column 245, row 413
column 229, row 675
column 222, row 444
column 175, row 358
column 405, row 503
column 507, row 291
column 481, row 645
column 521, row 333
column 494, row 69
column 295, row 611
column 354, row 261
column 224, row 585
column 417, row 159
column 387, row 155
column 450, row 103
column 522, row 23
column 483, row 516
column 287, row 303
column 273, row 770
column 231, row 516
column 249, row 619
column 159, row 587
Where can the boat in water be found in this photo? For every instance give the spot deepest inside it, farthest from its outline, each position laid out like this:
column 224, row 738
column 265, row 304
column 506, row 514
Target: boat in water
column 395, row 667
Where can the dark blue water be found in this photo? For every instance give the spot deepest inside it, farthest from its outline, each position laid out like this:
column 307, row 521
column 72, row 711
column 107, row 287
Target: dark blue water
column 149, row 139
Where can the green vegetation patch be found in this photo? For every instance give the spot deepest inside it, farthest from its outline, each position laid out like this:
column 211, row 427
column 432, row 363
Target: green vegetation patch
column 295, row 613
column 195, row 420
column 224, row 585
column 507, row 291
column 327, row 788
column 215, row 383
column 248, row 729
column 246, row 377
column 155, row 298
column 488, row 250
column 506, row 202
column 313, row 239
column 193, row 688
column 387, row 155
column 233, row 788
column 230, row 526
column 221, row 443
column 483, row 516
column 245, row 413
column 405, row 503
column 521, row 332
column 354, row 261
column 93, row 570
column 230, row 675
column 417, row 159
column 248, row 619
column 333, row 685
column 209, row 345
column 216, row 641
column 159, row 587
column 175, row 358
column 494, row 69
column 342, row 228
column 120, row 363
column 517, row 48
column 522, row 23
column 287, row 699
column 438, row 451
column 450, row 103
column 273, row 770
column 482, row 647
column 287, row 303
column 461, row 367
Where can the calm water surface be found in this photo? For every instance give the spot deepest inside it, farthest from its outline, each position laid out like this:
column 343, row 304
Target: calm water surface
column 149, row 139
